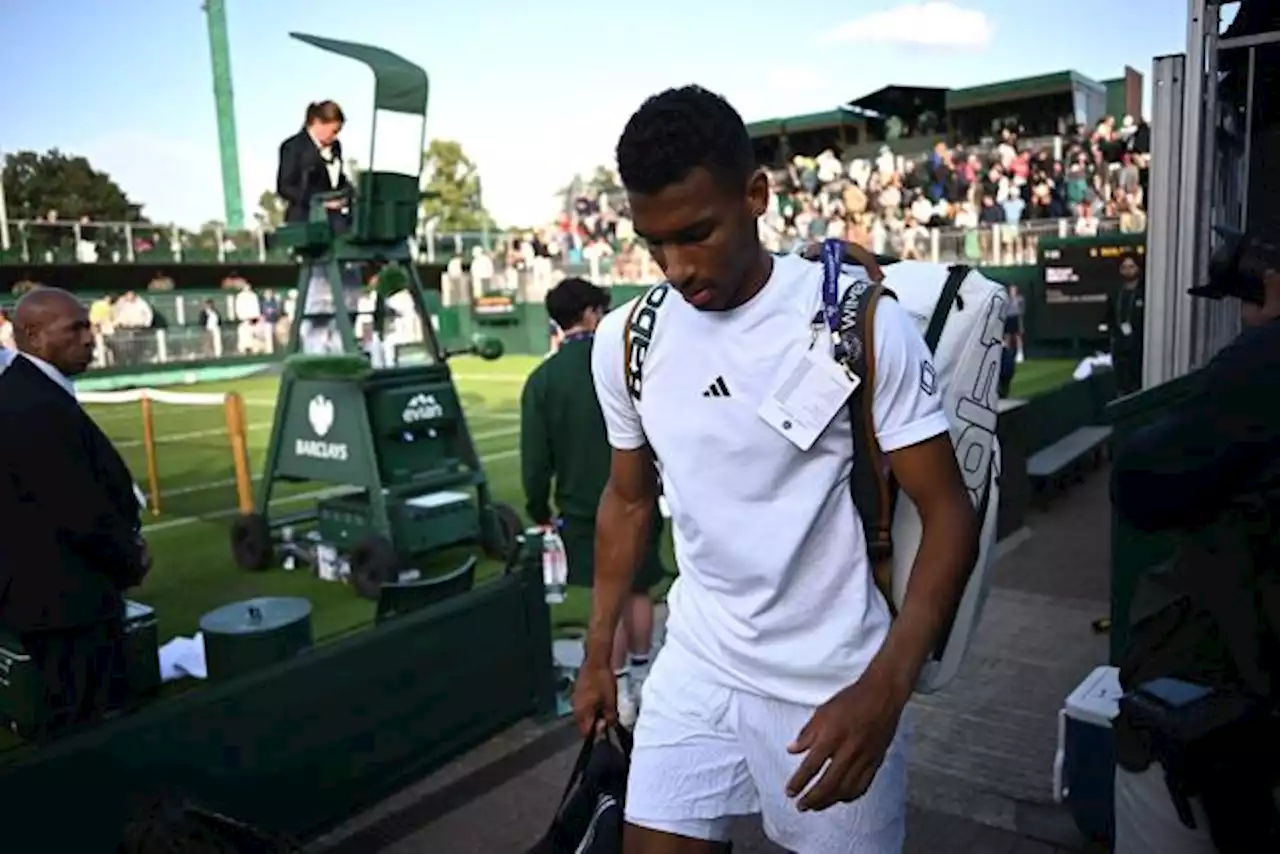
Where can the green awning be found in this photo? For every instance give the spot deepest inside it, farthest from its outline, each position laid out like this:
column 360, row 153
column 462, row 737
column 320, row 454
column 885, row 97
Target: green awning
column 399, row 85
column 1022, row 89
column 825, row 120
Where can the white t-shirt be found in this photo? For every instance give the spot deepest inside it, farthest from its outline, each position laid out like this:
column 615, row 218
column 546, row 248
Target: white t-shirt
column 775, row 595
column 247, row 305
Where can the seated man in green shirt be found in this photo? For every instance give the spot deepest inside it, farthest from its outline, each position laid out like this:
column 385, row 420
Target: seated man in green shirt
column 562, row 440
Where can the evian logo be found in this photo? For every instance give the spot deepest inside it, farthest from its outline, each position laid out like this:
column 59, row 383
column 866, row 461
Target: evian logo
column 320, row 414
column 422, row 407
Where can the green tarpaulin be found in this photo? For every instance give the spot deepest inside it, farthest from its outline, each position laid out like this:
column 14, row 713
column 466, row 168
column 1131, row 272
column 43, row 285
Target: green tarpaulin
column 399, row 85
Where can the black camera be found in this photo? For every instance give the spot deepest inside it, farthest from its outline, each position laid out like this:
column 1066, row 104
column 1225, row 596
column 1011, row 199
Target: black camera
column 1239, row 266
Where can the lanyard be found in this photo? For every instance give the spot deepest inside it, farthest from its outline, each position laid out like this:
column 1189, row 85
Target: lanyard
column 1126, row 306
column 832, row 258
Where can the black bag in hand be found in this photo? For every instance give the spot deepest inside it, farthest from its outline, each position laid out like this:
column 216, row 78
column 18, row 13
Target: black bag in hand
column 589, row 819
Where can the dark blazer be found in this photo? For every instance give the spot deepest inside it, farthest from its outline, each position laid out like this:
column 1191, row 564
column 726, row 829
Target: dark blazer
column 69, row 518
column 303, row 173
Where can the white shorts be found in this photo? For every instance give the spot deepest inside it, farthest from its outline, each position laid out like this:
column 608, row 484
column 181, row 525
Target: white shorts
column 704, row 753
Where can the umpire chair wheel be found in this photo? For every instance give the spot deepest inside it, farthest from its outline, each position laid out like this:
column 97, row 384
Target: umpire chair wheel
column 374, row 562
column 251, row 545
column 501, row 530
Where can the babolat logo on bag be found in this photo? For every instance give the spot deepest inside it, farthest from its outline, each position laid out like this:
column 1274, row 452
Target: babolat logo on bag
column 639, row 334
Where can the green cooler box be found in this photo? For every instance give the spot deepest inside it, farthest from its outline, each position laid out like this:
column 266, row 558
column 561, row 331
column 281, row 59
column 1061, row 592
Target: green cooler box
column 22, row 705
column 419, row 524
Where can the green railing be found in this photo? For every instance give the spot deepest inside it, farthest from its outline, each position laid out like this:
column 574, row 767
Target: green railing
column 39, row 242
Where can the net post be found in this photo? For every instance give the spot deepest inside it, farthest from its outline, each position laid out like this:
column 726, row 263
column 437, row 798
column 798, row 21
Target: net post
column 149, row 448
column 238, row 436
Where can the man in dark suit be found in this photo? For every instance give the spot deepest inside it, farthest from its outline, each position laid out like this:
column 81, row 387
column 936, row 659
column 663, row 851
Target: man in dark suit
column 72, row 541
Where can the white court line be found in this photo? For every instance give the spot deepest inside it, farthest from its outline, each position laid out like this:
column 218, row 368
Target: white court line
column 172, row 438
column 101, row 412
column 170, row 524
column 220, row 484
column 113, row 411
column 494, row 378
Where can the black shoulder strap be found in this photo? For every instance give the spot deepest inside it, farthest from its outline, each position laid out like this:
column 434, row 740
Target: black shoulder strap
column 950, row 295
column 870, row 482
column 637, row 335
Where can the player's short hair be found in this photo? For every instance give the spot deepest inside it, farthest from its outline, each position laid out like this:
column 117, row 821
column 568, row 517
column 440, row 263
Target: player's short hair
column 678, row 130
column 569, row 300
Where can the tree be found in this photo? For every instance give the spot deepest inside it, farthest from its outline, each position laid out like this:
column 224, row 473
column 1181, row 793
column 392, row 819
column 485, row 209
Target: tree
column 571, row 191
column 37, row 185
column 603, row 181
column 207, row 239
column 270, row 212
column 452, row 196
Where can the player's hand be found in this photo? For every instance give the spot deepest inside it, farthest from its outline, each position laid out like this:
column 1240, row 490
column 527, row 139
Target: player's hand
column 336, row 204
column 595, row 696
column 849, row 735
column 853, row 254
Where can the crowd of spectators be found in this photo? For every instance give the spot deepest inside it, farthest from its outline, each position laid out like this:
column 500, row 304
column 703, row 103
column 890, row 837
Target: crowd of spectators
column 986, row 203
column 982, row 203
column 158, row 326
column 1005, row 194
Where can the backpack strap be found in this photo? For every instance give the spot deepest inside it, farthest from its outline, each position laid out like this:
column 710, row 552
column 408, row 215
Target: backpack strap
column 950, row 295
column 851, row 320
column 871, row 483
column 637, row 335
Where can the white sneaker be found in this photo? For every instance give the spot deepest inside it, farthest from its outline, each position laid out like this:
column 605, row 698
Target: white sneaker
column 628, row 708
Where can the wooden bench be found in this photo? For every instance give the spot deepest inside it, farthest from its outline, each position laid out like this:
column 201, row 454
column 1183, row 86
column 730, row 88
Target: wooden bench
column 1048, row 467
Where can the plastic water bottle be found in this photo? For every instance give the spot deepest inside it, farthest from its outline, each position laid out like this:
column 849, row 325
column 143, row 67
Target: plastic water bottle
column 290, row 561
column 555, row 566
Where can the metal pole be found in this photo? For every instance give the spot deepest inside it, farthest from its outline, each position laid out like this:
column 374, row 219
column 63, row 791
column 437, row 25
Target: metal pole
column 1164, row 192
column 1214, row 201
column 224, row 101
column 4, row 210
column 1189, row 197
column 1248, row 137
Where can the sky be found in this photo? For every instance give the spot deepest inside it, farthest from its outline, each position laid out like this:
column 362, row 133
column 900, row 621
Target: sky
column 534, row 92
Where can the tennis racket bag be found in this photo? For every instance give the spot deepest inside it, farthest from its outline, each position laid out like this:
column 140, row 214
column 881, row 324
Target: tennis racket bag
column 961, row 315
column 589, row 819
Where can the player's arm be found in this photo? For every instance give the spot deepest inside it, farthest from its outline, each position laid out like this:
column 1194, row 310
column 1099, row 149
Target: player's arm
column 912, row 428
column 536, row 461
column 624, row 518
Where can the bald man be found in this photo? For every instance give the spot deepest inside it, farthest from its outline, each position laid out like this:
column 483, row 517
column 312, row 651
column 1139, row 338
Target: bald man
column 71, row 542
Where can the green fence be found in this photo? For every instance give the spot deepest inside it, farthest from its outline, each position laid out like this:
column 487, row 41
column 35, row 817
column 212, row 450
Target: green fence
column 526, row 331
column 300, row 746
column 1133, row 552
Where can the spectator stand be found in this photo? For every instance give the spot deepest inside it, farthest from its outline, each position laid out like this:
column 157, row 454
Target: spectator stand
column 880, row 170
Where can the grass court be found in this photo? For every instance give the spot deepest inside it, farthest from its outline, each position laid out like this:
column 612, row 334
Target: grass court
column 192, row 568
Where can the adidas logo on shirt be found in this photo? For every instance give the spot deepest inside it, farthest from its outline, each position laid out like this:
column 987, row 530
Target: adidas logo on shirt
column 717, row 389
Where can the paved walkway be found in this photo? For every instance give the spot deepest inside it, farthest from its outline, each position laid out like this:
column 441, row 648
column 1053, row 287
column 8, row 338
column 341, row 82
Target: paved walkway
column 982, row 751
